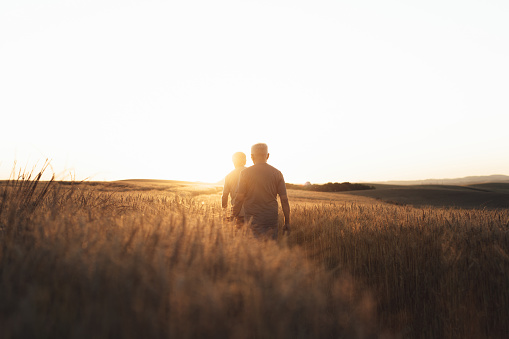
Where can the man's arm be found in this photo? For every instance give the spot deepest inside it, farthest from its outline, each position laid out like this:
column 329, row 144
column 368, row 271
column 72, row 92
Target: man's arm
column 239, row 201
column 240, row 195
column 281, row 191
column 285, row 204
column 226, row 192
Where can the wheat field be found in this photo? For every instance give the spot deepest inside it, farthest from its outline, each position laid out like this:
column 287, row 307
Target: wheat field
column 146, row 260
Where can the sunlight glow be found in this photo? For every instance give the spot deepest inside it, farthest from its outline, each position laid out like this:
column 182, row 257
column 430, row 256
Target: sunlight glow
column 340, row 91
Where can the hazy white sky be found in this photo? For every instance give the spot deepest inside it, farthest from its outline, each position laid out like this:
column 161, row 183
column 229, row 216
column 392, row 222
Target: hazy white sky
column 339, row 90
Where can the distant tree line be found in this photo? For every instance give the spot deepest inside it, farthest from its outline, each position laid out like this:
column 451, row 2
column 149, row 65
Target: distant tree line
column 331, row 187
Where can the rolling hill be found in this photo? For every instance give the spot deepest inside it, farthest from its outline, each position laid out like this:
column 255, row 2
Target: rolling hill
column 484, row 195
column 470, row 180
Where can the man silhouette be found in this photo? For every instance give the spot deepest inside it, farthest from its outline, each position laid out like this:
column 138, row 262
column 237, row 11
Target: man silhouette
column 231, row 181
column 258, row 188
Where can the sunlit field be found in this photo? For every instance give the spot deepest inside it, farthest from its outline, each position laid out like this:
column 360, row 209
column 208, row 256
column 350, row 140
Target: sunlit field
column 141, row 259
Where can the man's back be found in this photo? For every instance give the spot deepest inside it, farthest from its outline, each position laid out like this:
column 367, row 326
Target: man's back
column 230, row 187
column 261, row 183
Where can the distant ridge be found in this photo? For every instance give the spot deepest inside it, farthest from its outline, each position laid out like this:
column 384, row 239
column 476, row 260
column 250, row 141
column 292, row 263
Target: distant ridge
column 470, row 180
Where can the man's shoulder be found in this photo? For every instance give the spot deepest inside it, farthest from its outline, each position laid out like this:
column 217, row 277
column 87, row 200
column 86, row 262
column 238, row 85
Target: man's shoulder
column 234, row 174
column 236, row 171
column 230, row 174
column 264, row 169
column 248, row 170
column 273, row 169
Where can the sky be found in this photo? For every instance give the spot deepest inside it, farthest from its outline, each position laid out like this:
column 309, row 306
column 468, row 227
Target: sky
column 340, row 91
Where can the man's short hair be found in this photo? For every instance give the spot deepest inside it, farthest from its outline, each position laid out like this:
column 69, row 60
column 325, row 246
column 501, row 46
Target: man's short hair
column 239, row 159
column 260, row 149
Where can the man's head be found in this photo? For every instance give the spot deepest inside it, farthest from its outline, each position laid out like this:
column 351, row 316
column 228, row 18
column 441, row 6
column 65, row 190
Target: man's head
column 239, row 159
column 259, row 153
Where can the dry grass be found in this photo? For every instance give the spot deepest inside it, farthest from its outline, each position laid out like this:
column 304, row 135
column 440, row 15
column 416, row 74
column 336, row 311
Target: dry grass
column 123, row 260
column 82, row 261
column 437, row 273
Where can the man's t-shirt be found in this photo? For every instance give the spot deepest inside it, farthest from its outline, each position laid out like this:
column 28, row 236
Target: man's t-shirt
column 261, row 183
column 230, row 187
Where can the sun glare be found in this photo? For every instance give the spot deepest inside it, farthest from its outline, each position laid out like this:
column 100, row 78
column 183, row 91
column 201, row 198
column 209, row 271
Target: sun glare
column 339, row 91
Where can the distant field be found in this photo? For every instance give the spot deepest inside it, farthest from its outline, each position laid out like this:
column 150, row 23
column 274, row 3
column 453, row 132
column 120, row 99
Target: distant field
column 477, row 196
column 493, row 187
column 494, row 195
column 156, row 259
